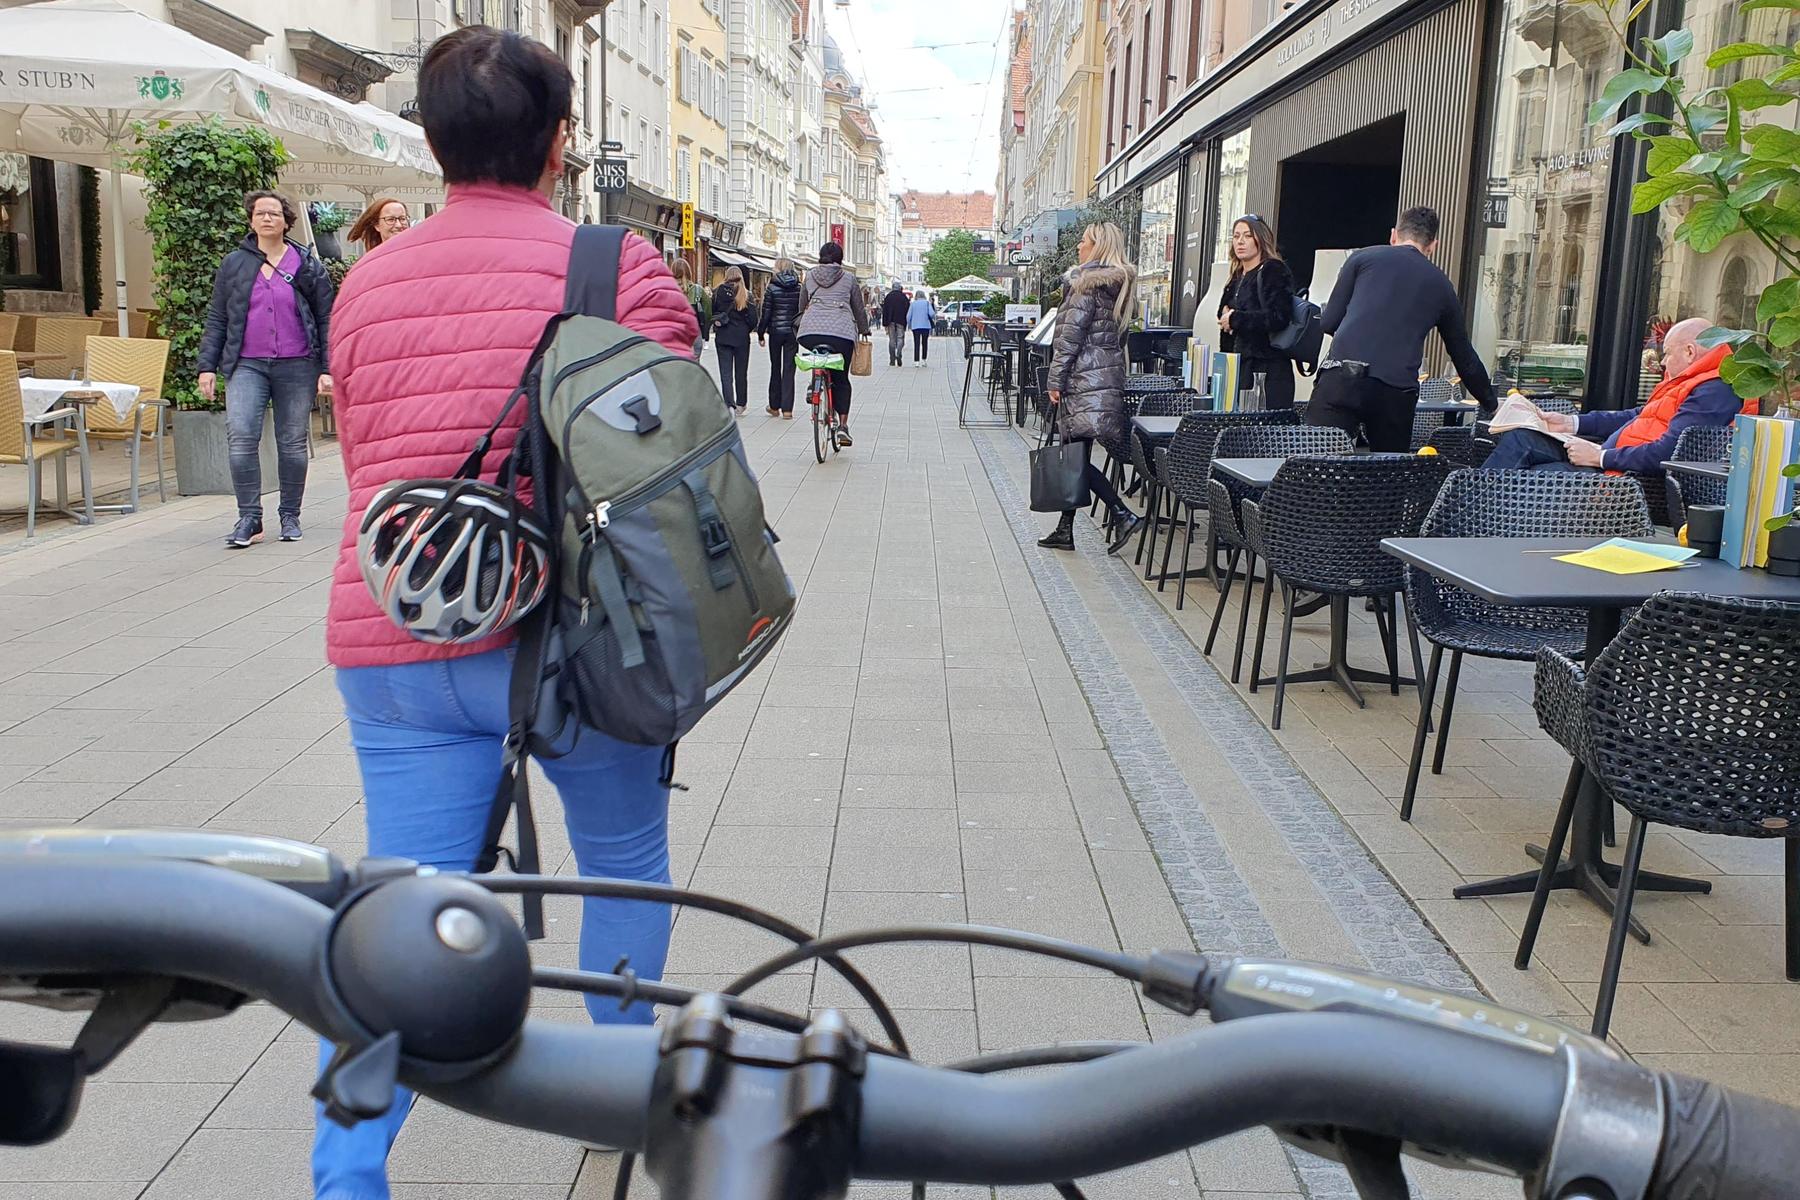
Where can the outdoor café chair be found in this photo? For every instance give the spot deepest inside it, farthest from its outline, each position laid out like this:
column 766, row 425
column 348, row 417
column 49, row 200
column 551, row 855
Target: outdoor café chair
column 139, row 361
column 1183, row 468
column 1505, row 504
column 30, row 442
column 60, row 342
column 1711, row 443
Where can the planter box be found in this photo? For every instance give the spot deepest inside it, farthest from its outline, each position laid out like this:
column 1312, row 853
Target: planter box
column 203, row 455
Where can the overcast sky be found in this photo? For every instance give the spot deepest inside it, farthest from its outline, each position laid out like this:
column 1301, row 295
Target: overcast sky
column 938, row 109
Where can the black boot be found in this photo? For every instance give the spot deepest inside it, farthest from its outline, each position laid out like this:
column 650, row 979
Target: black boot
column 1063, row 536
column 1124, row 524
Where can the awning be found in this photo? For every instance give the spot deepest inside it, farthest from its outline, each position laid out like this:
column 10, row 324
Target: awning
column 732, row 256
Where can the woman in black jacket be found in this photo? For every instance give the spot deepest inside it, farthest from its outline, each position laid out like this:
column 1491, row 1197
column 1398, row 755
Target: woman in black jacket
column 266, row 333
column 780, row 318
column 1258, row 301
column 734, row 316
column 1087, row 370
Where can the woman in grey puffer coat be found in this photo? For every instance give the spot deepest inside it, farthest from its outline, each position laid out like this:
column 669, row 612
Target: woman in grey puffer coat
column 1087, row 370
column 832, row 317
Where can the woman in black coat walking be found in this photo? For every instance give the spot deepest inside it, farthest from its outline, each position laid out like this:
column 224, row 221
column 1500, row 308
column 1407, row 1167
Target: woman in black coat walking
column 1258, row 301
column 780, row 317
column 734, row 316
column 1087, row 370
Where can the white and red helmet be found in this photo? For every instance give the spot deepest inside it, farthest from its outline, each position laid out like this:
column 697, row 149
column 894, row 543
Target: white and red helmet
column 452, row 560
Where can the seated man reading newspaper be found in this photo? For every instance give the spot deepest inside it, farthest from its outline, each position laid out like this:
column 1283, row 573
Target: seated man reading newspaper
column 1637, row 440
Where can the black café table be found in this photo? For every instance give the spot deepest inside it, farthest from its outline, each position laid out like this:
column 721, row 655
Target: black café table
column 1158, row 431
column 1524, row 572
column 1252, row 472
column 1710, row 470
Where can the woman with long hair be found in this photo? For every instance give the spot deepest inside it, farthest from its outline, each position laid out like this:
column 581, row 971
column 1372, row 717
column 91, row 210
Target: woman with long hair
column 1258, row 301
column 430, row 340
column 832, row 317
column 734, row 317
column 1087, row 369
column 697, row 299
column 780, row 317
column 379, row 222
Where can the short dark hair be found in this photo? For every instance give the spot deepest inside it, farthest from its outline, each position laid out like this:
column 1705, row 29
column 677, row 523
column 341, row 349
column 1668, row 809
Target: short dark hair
column 289, row 213
column 491, row 101
column 831, row 252
column 1419, row 224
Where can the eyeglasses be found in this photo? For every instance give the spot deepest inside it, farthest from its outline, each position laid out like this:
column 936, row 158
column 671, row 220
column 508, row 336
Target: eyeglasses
column 395, row 222
column 276, row 214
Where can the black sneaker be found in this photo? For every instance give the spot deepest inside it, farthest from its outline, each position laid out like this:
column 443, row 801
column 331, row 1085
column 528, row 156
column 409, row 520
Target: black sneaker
column 843, row 437
column 245, row 532
column 290, row 528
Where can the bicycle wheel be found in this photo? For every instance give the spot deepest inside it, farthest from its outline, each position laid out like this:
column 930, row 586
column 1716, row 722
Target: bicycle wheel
column 821, row 413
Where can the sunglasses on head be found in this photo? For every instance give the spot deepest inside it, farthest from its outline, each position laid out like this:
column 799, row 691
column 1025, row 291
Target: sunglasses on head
column 1252, row 219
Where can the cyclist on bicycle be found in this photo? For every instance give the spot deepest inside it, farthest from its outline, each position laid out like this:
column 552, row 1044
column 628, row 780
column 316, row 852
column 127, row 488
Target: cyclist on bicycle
column 832, row 317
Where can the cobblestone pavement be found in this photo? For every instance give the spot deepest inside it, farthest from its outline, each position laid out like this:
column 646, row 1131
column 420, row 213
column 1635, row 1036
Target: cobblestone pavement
column 959, row 726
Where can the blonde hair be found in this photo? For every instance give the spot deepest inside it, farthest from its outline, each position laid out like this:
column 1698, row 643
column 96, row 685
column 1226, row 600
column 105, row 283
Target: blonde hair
column 1109, row 251
column 742, row 300
column 784, row 264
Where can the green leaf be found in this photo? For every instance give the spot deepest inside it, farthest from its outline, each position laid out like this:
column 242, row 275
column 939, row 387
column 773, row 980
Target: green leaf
column 1700, row 164
column 1635, row 123
column 1650, row 194
column 1753, row 5
column 1753, row 354
column 1739, row 51
column 1709, row 223
column 1778, row 298
column 1784, row 330
column 1623, row 86
column 1786, row 74
column 1718, row 335
column 1747, row 380
column 1752, row 94
column 1669, row 152
column 1755, row 187
column 1674, row 46
column 1703, row 118
column 1772, row 142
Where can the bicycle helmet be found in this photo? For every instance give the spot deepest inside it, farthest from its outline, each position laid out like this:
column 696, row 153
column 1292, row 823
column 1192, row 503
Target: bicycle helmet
column 452, row 560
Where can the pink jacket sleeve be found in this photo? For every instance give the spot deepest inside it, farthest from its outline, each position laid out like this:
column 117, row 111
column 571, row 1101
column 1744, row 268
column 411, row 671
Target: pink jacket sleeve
column 650, row 301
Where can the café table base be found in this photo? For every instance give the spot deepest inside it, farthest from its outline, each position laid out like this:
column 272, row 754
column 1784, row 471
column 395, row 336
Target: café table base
column 1336, row 668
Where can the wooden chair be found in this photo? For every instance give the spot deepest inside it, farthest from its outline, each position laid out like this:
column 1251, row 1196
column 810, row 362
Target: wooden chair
column 31, row 442
column 140, row 361
column 60, row 340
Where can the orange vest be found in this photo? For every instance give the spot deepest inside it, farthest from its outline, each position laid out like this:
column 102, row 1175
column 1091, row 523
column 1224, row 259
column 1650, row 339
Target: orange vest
column 1653, row 419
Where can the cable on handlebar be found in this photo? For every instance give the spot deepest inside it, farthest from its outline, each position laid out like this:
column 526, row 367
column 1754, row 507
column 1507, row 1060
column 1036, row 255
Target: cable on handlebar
column 623, row 889
column 1126, row 966
column 1063, row 1054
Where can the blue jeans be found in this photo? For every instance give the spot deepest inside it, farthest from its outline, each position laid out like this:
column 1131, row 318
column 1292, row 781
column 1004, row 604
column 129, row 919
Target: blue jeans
column 291, row 384
column 1527, row 449
column 428, row 741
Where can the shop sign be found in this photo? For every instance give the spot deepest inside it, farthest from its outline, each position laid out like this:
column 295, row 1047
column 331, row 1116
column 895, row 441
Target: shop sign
column 611, row 175
column 687, row 224
column 837, row 233
column 1494, row 207
column 1022, row 313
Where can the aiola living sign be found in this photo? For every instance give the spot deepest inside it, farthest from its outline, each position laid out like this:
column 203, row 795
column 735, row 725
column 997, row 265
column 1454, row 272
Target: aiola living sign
column 159, row 86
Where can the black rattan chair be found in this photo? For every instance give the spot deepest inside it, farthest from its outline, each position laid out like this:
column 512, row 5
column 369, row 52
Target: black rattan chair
column 1151, row 383
column 1323, row 520
column 1709, row 444
column 1183, row 470
column 1690, row 718
column 995, row 362
column 1510, row 504
column 1461, row 444
column 1225, row 495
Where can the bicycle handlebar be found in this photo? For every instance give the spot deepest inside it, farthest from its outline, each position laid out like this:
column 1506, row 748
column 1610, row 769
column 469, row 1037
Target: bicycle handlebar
column 1570, row 1120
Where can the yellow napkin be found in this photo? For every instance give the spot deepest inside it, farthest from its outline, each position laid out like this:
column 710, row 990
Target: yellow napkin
column 1622, row 556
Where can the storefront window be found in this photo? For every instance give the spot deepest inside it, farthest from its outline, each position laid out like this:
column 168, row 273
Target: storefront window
column 1156, row 249
column 1543, row 213
column 1721, row 286
column 18, row 242
column 1234, row 190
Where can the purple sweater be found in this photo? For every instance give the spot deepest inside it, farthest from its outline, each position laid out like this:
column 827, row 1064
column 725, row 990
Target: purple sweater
column 273, row 328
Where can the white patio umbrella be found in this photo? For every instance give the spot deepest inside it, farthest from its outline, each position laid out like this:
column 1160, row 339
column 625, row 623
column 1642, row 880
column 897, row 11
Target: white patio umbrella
column 971, row 283
column 76, row 75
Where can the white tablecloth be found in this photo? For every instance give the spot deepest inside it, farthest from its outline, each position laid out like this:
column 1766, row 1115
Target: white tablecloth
column 41, row 395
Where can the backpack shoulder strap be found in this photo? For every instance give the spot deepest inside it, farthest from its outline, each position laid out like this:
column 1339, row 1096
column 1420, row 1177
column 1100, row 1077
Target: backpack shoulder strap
column 593, row 283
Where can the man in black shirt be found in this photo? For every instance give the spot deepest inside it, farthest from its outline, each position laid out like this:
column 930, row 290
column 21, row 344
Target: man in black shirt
column 1385, row 302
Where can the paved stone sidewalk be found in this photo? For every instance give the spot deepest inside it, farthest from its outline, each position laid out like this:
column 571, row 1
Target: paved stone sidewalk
column 958, row 727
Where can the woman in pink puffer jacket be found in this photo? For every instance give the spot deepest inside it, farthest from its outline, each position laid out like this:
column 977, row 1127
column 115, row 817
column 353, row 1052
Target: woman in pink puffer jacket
column 431, row 334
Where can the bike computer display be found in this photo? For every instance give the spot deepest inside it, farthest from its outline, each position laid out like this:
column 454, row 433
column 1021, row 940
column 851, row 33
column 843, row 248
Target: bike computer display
column 1251, row 987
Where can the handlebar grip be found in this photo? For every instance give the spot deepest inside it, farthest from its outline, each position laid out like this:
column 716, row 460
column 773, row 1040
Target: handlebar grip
column 1724, row 1145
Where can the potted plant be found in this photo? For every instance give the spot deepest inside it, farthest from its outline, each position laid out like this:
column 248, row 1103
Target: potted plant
column 195, row 175
column 327, row 219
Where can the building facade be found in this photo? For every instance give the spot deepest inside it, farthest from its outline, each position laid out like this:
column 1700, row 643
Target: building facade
column 1012, row 199
column 636, row 87
column 927, row 216
column 759, row 115
column 1329, row 118
column 805, row 231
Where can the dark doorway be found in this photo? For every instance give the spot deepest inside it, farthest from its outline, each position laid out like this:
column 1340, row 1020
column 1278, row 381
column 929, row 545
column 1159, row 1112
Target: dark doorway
column 1341, row 194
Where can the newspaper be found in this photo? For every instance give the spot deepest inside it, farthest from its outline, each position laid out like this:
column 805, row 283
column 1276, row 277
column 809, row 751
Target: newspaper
column 1516, row 412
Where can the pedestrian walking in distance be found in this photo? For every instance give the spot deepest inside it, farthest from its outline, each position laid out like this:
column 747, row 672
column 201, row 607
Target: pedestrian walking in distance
column 697, row 299
column 380, row 221
column 1385, row 302
column 919, row 318
column 266, row 332
column 430, row 340
column 1258, row 301
column 1087, row 369
column 734, row 316
column 776, row 330
column 893, row 319
column 832, row 317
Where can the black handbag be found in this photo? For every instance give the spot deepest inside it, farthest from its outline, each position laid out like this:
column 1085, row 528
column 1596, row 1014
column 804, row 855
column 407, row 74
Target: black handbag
column 1059, row 477
column 1303, row 337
